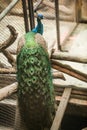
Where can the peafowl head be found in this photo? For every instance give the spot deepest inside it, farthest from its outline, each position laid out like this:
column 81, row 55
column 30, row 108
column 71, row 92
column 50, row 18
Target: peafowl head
column 39, row 16
column 39, row 27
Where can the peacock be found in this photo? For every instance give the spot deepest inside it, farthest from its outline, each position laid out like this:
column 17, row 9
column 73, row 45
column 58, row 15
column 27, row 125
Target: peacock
column 35, row 89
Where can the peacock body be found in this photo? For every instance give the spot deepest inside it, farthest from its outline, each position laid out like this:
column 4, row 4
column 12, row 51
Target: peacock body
column 35, row 88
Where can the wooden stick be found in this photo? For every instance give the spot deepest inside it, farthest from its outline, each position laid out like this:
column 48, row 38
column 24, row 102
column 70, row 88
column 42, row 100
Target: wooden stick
column 80, row 87
column 10, row 40
column 10, row 58
column 58, row 75
column 75, row 91
column 6, row 79
column 79, row 92
column 61, row 109
column 12, row 51
column 2, row 65
column 8, row 8
column 77, row 95
column 8, row 90
column 68, row 57
column 7, row 71
column 73, row 101
column 69, row 70
column 78, row 6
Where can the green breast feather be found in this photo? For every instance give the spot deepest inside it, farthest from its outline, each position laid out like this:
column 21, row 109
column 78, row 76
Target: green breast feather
column 35, row 89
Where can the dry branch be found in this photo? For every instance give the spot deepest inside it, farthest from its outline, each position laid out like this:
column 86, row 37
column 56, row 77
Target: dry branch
column 8, row 90
column 10, row 58
column 76, row 96
column 78, row 102
column 2, row 65
column 68, row 57
column 8, row 8
column 7, row 71
column 10, row 40
column 58, row 85
column 69, row 70
column 77, row 92
column 58, row 75
column 7, row 78
column 7, row 43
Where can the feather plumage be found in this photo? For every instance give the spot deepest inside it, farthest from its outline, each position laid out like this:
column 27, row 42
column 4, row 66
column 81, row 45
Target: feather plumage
column 35, row 88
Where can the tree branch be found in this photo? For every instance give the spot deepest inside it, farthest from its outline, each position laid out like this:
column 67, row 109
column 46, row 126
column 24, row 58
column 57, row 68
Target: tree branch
column 8, row 8
column 10, row 40
column 68, row 57
column 76, row 87
column 10, row 58
column 8, row 90
column 7, row 71
column 58, row 75
column 7, row 43
column 69, row 70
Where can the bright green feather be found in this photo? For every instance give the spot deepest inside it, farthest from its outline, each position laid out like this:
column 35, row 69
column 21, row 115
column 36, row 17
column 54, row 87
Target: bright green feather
column 30, row 40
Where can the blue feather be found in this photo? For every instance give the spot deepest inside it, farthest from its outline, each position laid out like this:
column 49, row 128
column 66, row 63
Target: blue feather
column 39, row 27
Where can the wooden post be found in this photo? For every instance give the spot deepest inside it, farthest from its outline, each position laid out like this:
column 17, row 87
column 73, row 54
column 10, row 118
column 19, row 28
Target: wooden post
column 78, row 4
column 61, row 109
column 31, row 13
column 24, row 4
column 57, row 23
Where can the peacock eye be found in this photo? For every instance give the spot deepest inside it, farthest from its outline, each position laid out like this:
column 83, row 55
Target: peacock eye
column 31, row 70
column 29, row 82
column 31, row 60
column 34, row 79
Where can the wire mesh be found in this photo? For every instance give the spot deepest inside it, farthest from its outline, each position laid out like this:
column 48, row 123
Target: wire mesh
column 16, row 19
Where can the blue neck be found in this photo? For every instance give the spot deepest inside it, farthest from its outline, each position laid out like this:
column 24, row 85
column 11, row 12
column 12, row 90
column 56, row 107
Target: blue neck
column 39, row 27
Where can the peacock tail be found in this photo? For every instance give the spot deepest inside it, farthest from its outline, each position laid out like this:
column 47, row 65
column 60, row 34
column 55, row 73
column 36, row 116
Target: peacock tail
column 35, row 88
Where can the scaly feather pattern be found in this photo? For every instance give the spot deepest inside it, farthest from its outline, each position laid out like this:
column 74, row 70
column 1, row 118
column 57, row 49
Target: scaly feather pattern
column 35, row 88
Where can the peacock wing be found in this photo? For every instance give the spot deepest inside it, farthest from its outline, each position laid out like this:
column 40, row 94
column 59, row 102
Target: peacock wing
column 21, row 43
column 40, row 40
